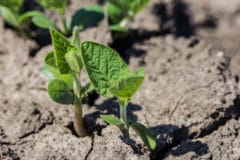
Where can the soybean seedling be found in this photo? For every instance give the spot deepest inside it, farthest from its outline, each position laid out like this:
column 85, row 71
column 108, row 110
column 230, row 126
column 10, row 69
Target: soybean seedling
column 63, row 66
column 83, row 18
column 121, row 12
column 110, row 76
column 13, row 14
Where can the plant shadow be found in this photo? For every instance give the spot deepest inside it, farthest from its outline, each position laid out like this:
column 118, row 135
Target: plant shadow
column 175, row 141
column 171, row 139
column 174, row 18
column 190, row 146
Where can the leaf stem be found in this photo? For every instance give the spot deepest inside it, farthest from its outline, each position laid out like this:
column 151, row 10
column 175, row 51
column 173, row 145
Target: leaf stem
column 78, row 119
column 123, row 117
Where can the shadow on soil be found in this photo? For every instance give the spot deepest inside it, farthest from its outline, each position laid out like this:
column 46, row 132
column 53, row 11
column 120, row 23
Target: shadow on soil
column 167, row 136
column 169, row 139
column 174, row 18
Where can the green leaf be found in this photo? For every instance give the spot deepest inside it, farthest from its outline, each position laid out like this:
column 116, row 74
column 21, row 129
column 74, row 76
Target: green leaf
column 59, row 91
column 50, row 59
column 43, row 22
column 28, row 15
column 121, row 4
column 138, row 5
column 88, row 16
column 104, row 66
column 74, row 61
column 128, row 86
column 115, row 14
column 120, row 12
column 13, row 5
column 53, row 73
column 145, row 134
column 112, row 120
column 61, row 47
column 9, row 16
column 58, row 5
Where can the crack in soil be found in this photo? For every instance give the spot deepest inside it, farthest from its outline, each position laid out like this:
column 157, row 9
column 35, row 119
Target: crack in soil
column 175, row 107
column 8, row 143
column 91, row 149
column 38, row 88
column 40, row 129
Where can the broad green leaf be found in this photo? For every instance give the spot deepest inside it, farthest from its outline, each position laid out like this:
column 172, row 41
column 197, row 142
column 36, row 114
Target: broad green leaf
column 58, row 5
column 9, row 16
column 61, row 47
column 112, row 120
column 53, row 73
column 74, row 61
column 88, row 16
column 28, row 15
column 43, row 22
column 59, row 91
column 104, row 66
column 145, row 134
column 128, row 86
column 50, row 59
column 138, row 5
column 13, row 5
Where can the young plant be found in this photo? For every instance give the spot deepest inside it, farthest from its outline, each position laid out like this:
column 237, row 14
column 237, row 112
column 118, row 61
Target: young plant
column 86, row 17
column 13, row 14
column 63, row 66
column 110, row 76
column 121, row 12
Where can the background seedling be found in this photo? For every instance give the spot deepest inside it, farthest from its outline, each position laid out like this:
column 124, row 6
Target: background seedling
column 121, row 12
column 12, row 12
column 110, row 76
column 63, row 66
column 86, row 17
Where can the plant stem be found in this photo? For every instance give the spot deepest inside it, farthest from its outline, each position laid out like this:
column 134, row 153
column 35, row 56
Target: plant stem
column 78, row 119
column 123, row 117
column 64, row 22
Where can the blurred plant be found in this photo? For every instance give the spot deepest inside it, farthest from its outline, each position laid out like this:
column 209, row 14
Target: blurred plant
column 13, row 14
column 110, row 76
column 83, row 18
column 121, row 12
